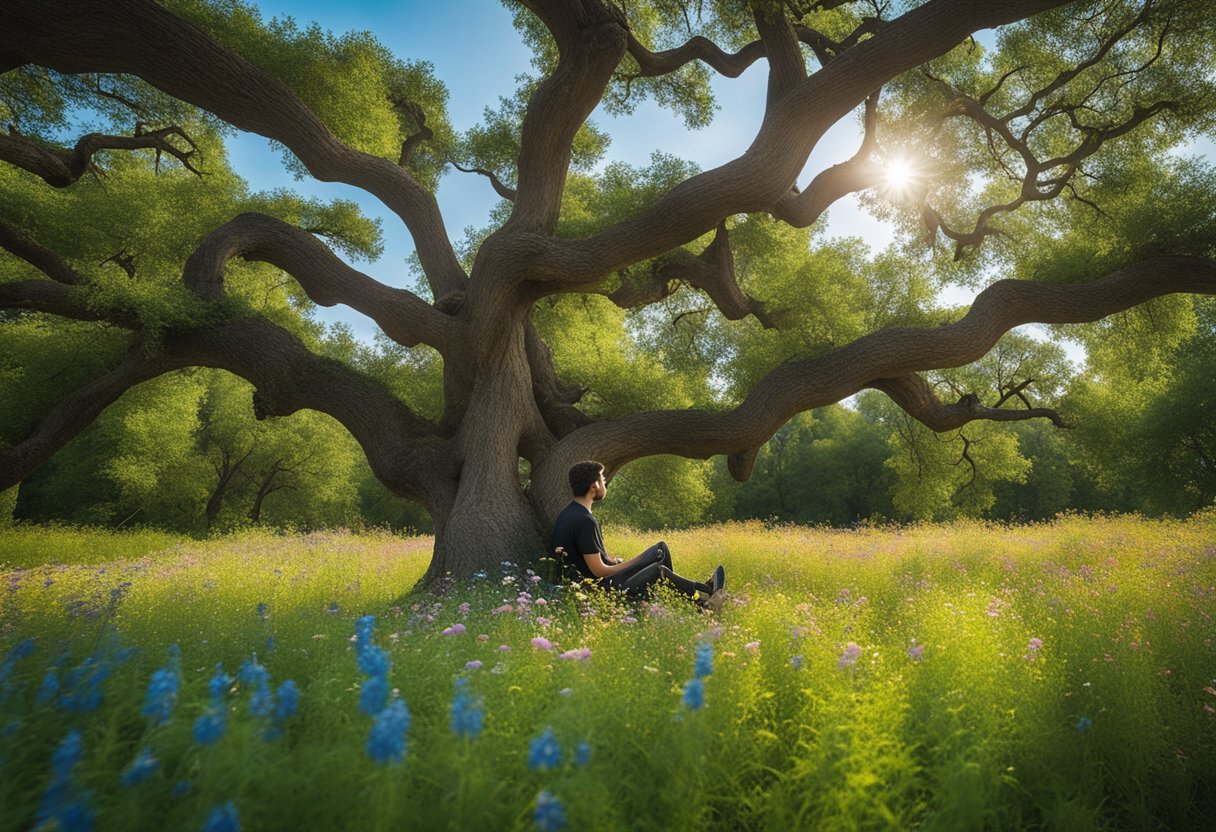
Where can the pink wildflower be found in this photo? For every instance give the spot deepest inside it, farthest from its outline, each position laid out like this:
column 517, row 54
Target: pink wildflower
column 1033, row 647
column 454, row 630
column 475, row 664
column 504, row 608
column 542, row 643
column 753, row 646
column 582, row 654
column 542, row 621
column 916, row 651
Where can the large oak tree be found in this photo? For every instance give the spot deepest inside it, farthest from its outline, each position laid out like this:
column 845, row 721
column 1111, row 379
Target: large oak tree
column 986, row 143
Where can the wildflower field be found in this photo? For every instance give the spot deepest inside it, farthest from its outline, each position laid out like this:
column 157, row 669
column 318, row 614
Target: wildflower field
column 970, row 676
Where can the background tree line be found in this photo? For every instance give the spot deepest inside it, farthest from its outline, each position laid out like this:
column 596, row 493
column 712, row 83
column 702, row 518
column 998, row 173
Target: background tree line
column 184, row 451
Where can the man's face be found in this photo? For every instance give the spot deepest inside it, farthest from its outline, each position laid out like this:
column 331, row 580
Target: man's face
column 600, row 489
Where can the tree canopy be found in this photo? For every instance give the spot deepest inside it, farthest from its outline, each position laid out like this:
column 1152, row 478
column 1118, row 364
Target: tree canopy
column 638, row 315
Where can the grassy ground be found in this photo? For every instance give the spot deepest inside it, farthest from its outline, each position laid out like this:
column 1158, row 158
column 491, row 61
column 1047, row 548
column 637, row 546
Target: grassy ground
column 1059, row 676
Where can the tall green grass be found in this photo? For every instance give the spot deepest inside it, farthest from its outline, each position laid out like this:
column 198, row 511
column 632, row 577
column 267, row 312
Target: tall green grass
column 1109, row 723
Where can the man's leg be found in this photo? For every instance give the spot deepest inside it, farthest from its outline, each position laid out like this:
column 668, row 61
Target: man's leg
column 635, row 581
column 660, row 554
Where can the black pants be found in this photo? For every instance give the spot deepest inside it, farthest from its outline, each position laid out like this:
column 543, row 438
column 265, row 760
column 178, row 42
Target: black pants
column 655, row 567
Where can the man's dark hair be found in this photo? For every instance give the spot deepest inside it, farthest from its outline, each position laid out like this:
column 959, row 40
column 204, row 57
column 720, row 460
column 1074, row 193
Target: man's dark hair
column 583, row 475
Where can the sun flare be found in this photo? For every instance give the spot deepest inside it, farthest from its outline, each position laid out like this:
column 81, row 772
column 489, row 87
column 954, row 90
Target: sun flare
column 901, row 178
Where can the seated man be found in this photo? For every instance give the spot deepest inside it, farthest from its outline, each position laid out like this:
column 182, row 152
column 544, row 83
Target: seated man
column 577, row 539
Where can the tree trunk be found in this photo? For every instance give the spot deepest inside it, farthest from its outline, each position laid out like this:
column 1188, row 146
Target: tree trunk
column 488, row 519
column 255, row 512
column 227, row 470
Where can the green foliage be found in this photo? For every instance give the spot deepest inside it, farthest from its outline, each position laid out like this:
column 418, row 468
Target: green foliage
column 947, row 475
column 592, row 350
column 658, row 492
column 1145, row 429
column 979, row 651
column 822, row 467
column 157, row 456
column 358, row 88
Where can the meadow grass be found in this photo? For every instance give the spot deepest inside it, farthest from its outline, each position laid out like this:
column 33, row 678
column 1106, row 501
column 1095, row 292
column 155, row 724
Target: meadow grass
column 969, row 676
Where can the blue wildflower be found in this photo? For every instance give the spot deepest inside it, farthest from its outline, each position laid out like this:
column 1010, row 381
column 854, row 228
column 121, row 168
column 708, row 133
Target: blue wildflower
column 333, row 607
column 796, row 661
column 252, row 673
column 287, row 700
column 63, row 806
column 373, row 694
column 49, row 689
column 694, row 694
column 83, row 685
column 270, row 644
column 289, row 697
column 263, row 611
column 181, row 788
column 467, row 714
column 161, row 696
column 549, row 814
column 223, row 819
column 386, row 742
column 544, row 752
column 141, row 768
column 705, row 660
column 67, row 754
column 18, row 652
column 363, row 630
column 219, row 684
column 262, row 701
column 209, row 727
column 1084, row 724
column 373, row 661
column 582, row 754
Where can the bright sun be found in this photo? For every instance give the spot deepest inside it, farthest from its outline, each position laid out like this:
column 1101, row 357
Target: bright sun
column 900, row 178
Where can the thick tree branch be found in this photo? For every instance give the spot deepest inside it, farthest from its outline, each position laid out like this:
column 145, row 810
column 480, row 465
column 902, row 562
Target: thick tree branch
column 38, row 256
column 696, row 48
column 912, row 393
column 287, row 377
column 712, row 271
column 791, row 128
column 402, row 315
column 61, row 168
column 61, row 300
column 590, row 39
column 74, row 413
column 555, row 399
column 142, row 38
column 889, row 354
column 786, row 66
column 856, row 174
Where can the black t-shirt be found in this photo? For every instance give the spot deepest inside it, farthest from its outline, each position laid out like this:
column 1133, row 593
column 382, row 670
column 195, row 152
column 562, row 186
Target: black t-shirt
column 577, row 531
